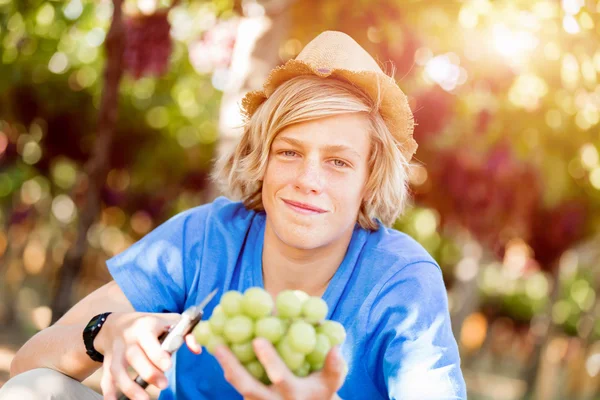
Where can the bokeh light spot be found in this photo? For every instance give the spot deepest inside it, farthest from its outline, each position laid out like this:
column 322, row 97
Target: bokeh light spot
column 157, row 117
column 31, row 192
column 45, row 14
column 595, row 178
column 73, row 9
column 589, row 156
column 32, row 152
column 63, row 208
column 34, row 257
column 59, row 63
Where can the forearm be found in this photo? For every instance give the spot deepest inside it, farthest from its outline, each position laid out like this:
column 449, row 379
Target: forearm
column 59, row 347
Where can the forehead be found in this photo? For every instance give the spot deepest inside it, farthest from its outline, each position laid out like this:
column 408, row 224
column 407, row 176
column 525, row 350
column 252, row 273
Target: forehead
column 351, row 130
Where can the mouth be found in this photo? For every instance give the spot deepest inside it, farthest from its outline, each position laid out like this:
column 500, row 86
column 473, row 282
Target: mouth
column 303, row 208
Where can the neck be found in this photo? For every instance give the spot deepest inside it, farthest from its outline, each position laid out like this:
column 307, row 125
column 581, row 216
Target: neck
column 290, row 268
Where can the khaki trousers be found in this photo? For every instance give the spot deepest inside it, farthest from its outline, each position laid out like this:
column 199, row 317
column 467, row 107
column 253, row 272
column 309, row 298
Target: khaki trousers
column 46, row 384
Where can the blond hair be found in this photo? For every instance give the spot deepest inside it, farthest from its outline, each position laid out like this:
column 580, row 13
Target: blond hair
column 305, row 98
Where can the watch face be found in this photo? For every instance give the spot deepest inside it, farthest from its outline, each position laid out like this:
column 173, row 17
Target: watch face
column 94, row 322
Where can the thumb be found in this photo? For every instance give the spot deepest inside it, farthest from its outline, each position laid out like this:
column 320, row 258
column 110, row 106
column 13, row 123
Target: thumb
column 192, row 344
column 335, row 369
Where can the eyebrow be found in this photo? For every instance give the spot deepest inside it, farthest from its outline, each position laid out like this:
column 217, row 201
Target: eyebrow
column 331, row 147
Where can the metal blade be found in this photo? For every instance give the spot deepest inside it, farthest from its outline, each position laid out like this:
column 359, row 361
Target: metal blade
column 207, row 299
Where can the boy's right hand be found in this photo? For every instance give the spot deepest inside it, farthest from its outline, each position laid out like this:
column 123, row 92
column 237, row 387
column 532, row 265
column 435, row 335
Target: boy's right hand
column 131, row 339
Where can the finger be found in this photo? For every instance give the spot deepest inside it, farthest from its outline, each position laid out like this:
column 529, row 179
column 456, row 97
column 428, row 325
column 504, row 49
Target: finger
column 278, row 372
column 107, row 384
column 150, row 323
column 240, row 379
column 151, row 346
column 167, row 318
column 334, row 369
column 192, row 344
column 139, row 361
column 170, row 318
column 123, row 381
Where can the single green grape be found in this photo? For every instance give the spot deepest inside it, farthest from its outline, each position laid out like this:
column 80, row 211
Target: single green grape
column 217, row 320
column 213, row 342
column 302, row 337
column 322, row 347
column 291, row 358
column 256, row 369
column 270, row 328
column 244, row 352
column 304, row 370
column 239, row 329
column 288, row 305
column 314, row 310
column 231, row 302
column 257, row 303
column 202, row 332
column 334, row 331
column 302, row 295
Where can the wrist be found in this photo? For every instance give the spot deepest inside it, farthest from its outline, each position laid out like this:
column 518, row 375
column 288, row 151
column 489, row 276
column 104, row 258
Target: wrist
column 102, row 340
column 94, row 334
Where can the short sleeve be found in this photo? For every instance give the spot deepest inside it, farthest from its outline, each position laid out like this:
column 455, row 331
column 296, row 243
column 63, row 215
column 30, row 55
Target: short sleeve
column 413, row 348
column 152, row 272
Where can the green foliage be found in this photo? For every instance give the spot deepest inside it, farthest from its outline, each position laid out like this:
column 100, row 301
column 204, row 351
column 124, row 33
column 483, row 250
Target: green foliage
column 53, row 58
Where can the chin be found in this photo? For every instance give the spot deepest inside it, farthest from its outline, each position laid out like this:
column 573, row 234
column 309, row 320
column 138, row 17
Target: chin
column 304, row 239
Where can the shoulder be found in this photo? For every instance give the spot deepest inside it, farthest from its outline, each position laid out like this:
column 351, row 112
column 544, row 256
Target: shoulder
column 221, row 208
column 230, row 211
column 415, row 289
column 221, row 213
column 391, row 257
column 227, row 209
column 404, row 275
column 395, row 274
column 187, row 228
column 397, row 247
column 225, row 219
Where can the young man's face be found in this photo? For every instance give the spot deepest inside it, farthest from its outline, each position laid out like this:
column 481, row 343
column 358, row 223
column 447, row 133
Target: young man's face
column 315, row 179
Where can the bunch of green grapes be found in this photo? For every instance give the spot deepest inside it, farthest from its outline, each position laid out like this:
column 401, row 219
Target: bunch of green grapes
column 295, row 323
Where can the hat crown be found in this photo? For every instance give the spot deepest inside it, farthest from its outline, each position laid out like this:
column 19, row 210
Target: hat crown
column 336, row 50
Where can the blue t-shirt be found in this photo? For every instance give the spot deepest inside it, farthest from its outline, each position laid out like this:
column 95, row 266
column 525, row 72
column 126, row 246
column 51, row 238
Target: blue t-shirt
column 388, row 293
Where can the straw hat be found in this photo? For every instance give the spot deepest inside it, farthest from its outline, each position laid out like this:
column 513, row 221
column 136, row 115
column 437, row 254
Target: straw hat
column 335, row 54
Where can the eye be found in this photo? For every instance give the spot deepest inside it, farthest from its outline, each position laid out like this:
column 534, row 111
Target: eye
column 339, row 163
column 288, row 153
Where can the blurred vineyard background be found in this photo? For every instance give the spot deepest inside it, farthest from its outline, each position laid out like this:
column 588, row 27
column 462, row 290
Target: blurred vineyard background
column 111, row 113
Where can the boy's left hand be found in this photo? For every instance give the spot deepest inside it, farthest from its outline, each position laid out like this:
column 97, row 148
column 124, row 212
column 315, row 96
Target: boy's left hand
column 285, row 385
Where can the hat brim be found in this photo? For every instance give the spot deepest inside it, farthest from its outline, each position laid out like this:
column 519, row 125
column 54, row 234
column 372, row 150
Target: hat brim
column 394, row 107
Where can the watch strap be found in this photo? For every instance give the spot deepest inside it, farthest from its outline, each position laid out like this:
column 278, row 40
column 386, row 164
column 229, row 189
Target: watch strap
column 89, row 334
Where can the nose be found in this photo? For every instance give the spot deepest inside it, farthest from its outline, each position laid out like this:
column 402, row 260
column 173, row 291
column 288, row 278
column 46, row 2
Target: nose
column 310, row 178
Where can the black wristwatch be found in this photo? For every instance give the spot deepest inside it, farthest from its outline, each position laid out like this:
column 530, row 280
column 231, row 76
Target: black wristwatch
column 89, row 334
